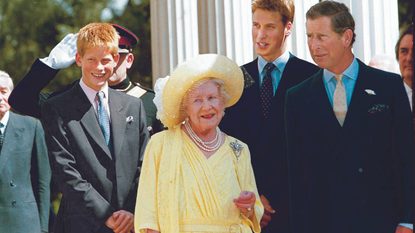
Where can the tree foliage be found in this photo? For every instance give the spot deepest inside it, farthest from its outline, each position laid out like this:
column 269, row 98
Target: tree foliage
column 405, row 12
column 31, row 28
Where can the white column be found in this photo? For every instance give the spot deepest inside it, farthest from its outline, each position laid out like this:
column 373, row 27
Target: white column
column 377, row 27
column 297, row 41
column 160, row 43
column 187, row 30
column 175, row 36
column 233, row 29
column 172, row 32
column 207, row 26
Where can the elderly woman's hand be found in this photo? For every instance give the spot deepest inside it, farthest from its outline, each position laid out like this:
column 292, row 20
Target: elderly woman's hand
column 245, row 202
column 152, row 231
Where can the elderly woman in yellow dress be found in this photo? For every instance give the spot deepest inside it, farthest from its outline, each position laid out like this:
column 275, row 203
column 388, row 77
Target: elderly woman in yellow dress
column 194, row 177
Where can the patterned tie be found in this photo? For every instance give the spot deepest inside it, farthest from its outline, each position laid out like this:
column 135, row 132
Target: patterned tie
column 266, row 91
column 104, row 120
column 1, row 135
column 339, row 100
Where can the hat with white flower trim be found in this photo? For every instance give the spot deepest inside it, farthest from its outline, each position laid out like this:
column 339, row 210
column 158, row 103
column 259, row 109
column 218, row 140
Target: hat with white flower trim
column 171, row 90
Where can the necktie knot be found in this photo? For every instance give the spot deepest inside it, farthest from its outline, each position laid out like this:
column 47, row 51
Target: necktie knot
column 100, row 95
column 338, row 77
column 269, row 67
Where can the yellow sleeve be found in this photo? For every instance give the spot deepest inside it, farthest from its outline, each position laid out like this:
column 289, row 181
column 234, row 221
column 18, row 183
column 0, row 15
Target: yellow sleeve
column 146, row 209
column 248, row 184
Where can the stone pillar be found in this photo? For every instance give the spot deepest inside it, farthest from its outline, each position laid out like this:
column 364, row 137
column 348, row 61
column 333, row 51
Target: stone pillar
column 174, row 34
column 297, row 41
column 377, row 27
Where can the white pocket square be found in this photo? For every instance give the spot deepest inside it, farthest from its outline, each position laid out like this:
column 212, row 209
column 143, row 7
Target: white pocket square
column 129, row 119
column 370, row 92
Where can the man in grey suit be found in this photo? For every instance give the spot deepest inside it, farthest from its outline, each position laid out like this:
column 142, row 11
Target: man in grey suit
column 96, row 138
column 349, row 137
column 24, row 169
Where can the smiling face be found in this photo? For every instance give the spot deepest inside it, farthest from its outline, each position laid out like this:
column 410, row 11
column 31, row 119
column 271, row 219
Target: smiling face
column 205, row 108
column 269, row 34
column 406, row 61
column 97, row 65
column 328, row 49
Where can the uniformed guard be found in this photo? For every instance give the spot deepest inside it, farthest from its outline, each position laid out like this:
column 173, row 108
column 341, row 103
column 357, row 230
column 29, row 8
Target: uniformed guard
column 120, row 81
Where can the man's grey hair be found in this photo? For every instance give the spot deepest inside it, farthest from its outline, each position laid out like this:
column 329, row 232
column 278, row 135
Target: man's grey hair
column 6, row 75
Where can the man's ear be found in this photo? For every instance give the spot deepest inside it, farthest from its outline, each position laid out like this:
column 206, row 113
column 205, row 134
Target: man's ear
column 288, row 29
column 130, row 60
column 347, row 37
column 78, row 59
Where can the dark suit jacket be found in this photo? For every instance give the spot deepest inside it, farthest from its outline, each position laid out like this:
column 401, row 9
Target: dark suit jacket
column 24, row 177
column 355, row 178
column 28, row 99
column 266, row 139
column 93, row 182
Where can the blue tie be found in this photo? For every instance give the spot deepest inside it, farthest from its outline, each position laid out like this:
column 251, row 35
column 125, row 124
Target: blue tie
column 266, row 90
column 104, row 120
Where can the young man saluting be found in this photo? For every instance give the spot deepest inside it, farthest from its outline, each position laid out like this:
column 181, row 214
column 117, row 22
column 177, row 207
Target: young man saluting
column 96, row 137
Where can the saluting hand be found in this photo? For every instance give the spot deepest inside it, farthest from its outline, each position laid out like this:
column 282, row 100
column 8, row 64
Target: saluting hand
column 63, row 54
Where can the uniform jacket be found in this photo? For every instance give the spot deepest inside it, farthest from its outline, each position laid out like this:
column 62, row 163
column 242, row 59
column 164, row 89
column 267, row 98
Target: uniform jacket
column 147, row 95
column 93, row 182
column 24, row 177
column 266, row 139
column 355, row 178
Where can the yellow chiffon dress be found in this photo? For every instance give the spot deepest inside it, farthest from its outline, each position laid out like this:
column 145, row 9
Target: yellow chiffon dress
column 180, row 190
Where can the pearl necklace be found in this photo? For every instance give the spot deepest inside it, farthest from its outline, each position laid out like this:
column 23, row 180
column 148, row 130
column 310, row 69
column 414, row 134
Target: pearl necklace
column 200, row 143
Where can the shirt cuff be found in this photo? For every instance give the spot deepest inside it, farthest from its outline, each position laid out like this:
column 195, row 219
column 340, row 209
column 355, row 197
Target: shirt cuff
column 407, row 225
column 47, row 62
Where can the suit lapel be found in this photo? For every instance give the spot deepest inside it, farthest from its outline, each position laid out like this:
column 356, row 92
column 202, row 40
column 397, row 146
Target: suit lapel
column 358, row 106
column 278, row 100
column 320, row 105
column 11, row 140
column 287, row 80
column 252, row 103
column 89, row 119
column 118, row 121
column 252, row 93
